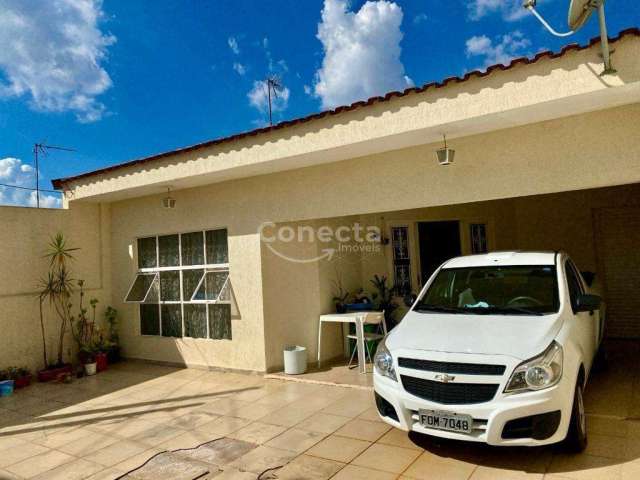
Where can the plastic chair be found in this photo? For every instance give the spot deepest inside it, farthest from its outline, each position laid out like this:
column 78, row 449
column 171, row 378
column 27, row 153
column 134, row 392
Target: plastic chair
column 370, row 318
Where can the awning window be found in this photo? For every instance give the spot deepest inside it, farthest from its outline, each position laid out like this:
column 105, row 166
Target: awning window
column 214, row 287
column 144, row 289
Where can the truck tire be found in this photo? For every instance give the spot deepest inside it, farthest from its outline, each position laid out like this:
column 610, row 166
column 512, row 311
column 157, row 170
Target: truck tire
column 576, row 440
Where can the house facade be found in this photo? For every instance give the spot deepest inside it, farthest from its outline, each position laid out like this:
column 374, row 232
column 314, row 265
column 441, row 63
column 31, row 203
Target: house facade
column 268, row 224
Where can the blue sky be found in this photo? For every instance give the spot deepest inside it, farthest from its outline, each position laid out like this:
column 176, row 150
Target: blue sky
column 140, row 77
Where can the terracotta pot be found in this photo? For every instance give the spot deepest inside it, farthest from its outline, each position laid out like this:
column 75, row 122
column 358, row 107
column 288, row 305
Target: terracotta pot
column 101, row 361
column 49, row 374
column 23, row 381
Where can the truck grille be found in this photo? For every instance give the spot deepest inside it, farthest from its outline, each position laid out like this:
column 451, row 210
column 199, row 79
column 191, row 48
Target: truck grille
column 451, row 367
column 449, row 393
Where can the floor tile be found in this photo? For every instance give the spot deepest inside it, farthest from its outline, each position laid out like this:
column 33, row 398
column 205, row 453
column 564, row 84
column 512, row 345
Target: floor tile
column 340, row 449
column 9, row 456
column 323, row 422
column 296, row 440
column 74, row 470
column 40, row 463
column 223, row 426
column 262, row 458
column 363, row 430
column 309, row 468
column 353, row 472
column 386, row 458
column 398, row 438
column 116, row 452
column 258, row 432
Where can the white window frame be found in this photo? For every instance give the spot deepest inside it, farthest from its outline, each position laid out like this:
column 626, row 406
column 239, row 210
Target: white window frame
column 206, row 267
column 155, row 279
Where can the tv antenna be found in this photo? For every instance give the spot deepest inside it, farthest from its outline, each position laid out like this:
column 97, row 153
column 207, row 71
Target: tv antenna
column 273, row 84
column 41, row 149
column 579, row 13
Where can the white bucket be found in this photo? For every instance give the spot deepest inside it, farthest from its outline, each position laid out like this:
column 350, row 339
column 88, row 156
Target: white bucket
column 90, row 368
column 295, row 360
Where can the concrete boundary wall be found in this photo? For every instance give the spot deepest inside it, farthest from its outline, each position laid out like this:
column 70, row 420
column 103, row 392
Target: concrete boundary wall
column 24, row 235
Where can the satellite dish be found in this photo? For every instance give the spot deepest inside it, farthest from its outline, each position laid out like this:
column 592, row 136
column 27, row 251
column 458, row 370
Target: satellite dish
column 579, row 13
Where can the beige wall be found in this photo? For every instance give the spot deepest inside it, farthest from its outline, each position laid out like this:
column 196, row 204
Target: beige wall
column 24, row 235
column 544, row 158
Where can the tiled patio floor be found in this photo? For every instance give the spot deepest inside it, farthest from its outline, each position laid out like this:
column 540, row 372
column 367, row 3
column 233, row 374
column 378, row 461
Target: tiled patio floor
column 105, row 426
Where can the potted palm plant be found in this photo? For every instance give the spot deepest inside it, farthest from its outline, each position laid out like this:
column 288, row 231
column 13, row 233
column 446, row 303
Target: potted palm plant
column 56, row 290
column 113, row 352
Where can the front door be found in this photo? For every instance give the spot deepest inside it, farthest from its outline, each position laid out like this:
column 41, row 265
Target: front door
column 438, row 242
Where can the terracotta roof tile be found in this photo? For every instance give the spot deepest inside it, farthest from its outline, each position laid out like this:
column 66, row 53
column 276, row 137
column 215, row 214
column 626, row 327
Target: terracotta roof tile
column 59, row 183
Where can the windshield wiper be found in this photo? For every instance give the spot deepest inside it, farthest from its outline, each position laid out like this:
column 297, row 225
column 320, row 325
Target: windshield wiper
column 426, row 307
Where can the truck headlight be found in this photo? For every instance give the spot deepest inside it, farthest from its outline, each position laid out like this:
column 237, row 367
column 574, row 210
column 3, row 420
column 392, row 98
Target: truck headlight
column 538, row 373
column 383, row 362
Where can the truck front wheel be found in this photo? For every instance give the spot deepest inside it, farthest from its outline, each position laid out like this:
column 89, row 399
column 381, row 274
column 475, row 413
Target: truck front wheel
column 576, row 440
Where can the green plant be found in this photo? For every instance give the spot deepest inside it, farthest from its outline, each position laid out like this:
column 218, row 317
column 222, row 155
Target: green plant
column 340, row 295
column 57, row 289
column 14, row 373
column 111, row 315
column 383, row 296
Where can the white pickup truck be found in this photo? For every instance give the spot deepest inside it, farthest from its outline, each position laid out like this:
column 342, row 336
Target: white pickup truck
column 497, row 349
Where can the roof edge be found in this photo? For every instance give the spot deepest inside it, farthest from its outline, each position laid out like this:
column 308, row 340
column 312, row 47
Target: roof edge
column 59, row 183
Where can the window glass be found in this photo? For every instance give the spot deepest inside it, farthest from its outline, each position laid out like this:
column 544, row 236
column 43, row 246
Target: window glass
column 147, row 252
column 215, row 286
column 220, row 321
column 170, row 286
column 573, row 283
column 217, row 249
column 141, row 286
column 171, row 320
column 510, row 290
column 168, row 251
column 192, row 248
column 195, row 320
column 190, row 281
column 149, row 320
column 176, row 298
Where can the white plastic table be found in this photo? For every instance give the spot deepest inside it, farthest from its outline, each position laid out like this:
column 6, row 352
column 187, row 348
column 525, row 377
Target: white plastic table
column 351, row 317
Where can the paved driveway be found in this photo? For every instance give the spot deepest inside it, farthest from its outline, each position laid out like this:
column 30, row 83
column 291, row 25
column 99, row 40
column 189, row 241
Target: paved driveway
column 231, row 426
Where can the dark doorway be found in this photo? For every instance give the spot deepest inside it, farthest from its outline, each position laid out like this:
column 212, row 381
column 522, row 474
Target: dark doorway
column 438, row 241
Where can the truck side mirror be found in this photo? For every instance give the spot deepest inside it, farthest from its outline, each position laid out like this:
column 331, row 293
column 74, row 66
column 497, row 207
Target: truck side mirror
column 587, row 303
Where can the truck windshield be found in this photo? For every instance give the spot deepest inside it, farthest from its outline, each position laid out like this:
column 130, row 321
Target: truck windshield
column 510, row 290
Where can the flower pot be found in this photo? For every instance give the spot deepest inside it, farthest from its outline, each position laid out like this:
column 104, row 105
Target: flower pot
column 6, row 388
column 90, row 368
column 113, row 355
column 101, row 361
column 22, row 382
column 49, row 374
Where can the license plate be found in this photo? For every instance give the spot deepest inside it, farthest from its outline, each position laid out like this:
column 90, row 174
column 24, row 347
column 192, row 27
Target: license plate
column 451, row 422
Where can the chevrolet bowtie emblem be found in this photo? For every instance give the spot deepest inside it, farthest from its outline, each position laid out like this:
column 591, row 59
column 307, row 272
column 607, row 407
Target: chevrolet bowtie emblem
column 444, row 378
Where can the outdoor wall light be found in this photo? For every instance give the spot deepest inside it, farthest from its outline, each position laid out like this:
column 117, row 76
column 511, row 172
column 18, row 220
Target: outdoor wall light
column 169, row 202
column 445, row 155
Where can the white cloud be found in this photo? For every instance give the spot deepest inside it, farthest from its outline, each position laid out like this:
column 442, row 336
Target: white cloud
column 14, row 172
column 504, row 49
column 307, row 89
column 420, row 18
column 233, row 45
column 239, row 68
column 259, row 97
column 52, row 52
column 361, row 52
column 510, row 10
